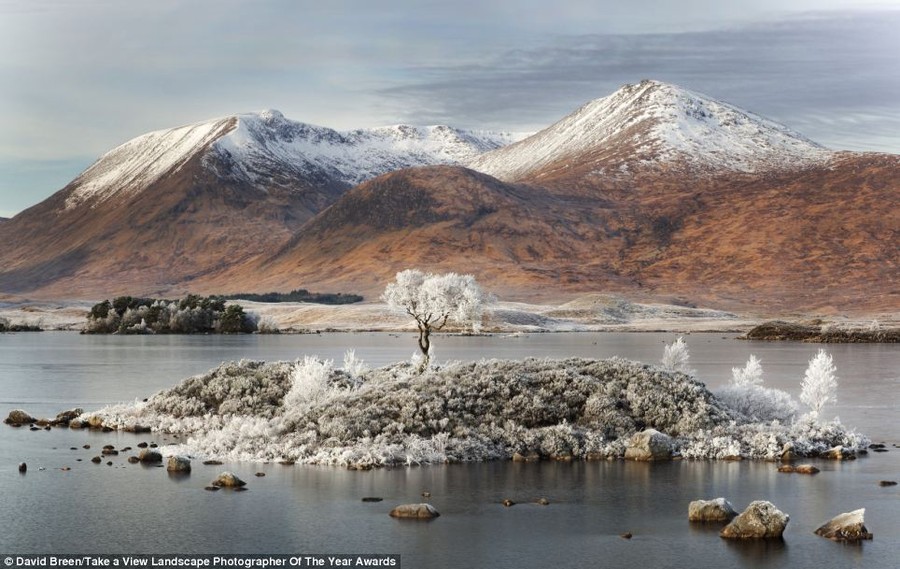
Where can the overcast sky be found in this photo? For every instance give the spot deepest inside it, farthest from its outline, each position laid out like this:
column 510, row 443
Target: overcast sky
column 78, row 77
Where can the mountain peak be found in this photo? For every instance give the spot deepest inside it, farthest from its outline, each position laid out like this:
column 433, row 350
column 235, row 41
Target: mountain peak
column 655, row 122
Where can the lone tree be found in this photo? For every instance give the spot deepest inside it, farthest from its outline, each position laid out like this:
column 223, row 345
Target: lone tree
column 433, row 301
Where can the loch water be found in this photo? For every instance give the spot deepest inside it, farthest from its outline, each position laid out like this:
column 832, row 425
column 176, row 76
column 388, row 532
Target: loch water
column 297, row 509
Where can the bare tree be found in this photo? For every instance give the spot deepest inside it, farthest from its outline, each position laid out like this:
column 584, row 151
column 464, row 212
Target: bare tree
column 433, row 301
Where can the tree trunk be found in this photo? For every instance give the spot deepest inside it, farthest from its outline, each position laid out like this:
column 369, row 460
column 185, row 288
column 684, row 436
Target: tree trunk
column 425, row 346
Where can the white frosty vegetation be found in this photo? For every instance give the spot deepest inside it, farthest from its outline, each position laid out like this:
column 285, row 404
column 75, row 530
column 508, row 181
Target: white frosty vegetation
column 433, row 301
column 676, row 357
column 747, row 395
column 819, row 383
column 310, row 412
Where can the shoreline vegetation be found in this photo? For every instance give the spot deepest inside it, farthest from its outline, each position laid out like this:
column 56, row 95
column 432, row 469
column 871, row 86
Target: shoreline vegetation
column 309, row 411
column 823, row 333
column 298, row 295
column 192, row 314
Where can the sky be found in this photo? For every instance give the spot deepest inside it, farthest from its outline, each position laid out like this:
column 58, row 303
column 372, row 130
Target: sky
column 79, row 77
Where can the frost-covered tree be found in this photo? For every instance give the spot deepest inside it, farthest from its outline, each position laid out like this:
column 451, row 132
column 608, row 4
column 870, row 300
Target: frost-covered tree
column 676, row 357
column 820, row 383
column 433, row 301
column 750, row 374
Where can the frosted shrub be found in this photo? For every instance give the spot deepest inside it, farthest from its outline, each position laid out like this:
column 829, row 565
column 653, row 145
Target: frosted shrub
column 310, row 382
column 874, row 326
column 750, row 374
column 267, row 325
column 354, row 366
column 758, row 403
column 819, row 383
column 676, row 357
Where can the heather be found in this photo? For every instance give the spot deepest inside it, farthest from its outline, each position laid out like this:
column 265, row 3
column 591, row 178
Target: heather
column 311, row 411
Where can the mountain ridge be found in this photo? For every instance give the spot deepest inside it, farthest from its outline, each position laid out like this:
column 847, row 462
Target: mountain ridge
column 653, row 192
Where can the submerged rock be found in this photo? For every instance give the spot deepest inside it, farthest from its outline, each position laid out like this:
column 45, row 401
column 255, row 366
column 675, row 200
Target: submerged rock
column 19, row 417
column 507, row 502
column 718, row 510
column 887, row 483
column 212, row 462
column 761, row 519
column 149, row 456
column 372, row 499
column 179, row 464
column 23, row 467
column 798, row 469
column 846, row 527
column 415, row 511
column 228, row 480
column 649, row 444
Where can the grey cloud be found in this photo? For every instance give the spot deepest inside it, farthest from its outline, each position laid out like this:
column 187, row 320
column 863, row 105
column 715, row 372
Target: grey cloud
column 806, row 72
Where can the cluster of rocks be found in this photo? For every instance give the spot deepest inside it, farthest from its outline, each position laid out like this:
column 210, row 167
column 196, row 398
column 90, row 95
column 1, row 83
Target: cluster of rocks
column 71, row 419
column 762, row 520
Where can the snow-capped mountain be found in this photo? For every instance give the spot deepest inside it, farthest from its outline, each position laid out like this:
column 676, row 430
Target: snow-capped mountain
column 266, row 149
column 655, row 123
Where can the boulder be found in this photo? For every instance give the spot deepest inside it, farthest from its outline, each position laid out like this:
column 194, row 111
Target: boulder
column 147, row 455
column 846, row 527
column 649, row 444
column 718, row 510
column 18, row 417
column 76, row 424
column 228, row 480
column 415, row 511
column 839, row 453
column 65, row 417
column 137, row 429
column 95, row 422
column 788, row 453
column 178, row 464
column 761, row 519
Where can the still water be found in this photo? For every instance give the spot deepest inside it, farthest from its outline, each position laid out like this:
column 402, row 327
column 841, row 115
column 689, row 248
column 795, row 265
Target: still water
column 314, row 510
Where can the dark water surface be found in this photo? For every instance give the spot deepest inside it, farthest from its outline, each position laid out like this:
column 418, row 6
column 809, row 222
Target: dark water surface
column 296, row 509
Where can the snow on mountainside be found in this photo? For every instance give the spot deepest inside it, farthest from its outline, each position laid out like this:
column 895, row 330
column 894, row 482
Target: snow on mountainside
column 654, row 122
column 265, row 147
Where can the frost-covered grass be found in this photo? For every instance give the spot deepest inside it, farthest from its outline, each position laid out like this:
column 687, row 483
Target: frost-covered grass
column 310, row 412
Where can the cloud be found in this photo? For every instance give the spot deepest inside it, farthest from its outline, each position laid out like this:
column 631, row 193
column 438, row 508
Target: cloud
column 834, row 76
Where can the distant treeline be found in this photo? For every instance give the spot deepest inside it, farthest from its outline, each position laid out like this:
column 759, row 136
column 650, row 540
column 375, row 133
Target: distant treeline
column 299, row 295
column 192, row 314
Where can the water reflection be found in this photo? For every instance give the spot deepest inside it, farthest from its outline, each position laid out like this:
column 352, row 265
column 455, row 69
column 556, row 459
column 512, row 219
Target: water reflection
column 757, row 552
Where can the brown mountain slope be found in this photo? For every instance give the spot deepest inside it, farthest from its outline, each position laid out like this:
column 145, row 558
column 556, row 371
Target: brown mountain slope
column 189, row 222
column 820, row 239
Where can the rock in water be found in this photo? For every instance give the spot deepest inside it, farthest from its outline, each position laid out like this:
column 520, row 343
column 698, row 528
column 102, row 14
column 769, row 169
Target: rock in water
column 649, row 444
column 19, row 417
column 761, row 519
column 178, row 464
column 846, row 527
column 228, row 480
column 147, row 455
column 718, row 510
column 23, row 467
column 415, row 511
column 65, row 417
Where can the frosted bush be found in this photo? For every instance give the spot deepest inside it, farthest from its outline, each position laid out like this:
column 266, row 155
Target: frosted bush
column 819, row 383
column 758, row 403
column 750, row 374
column 676, row 357
column 267, row 325
column 310, row 382
column 874, row 326
column 353, row 366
